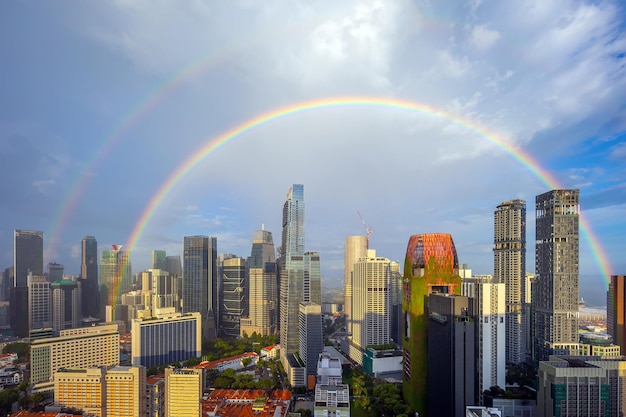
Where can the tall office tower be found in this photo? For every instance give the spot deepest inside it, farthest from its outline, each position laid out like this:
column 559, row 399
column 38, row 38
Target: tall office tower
column 451, row 355
column 55, row 271
column 509, row 266
column 312, row 278
column 90, row 291
column 173, row 265
column 431, row 266
column 356, row 248
column 39, row 303
column 82, row 389
column 263, row 292
column 159, row 258
column 291, row 270
column 395, row 302
column 371, row 304
column 166, row 339
column 199, row 261
column 155, row 396
column 556, row 295
column 527, row 316
column 7, row 283
column 115, row 277
column 311, row 338
column 490, row 306
column 27, row 256
column 126, row 391
column 75, row 348
column 235, row 296
column 66, row 304
column 616, row 310
column 183, row 390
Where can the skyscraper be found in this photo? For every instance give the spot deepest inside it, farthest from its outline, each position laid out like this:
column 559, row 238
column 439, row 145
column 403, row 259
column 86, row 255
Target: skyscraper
column 356, row 248
column 158, row 259
column 291, row 267
column 115, row 277
column 312, row 278
column 199, row 280
column 39, row 303
column 616, row 311
column 235, row 296
column 28, row 256
column 66, row 304
column 263, row 292
column 431, row 266
column 509, row 266
column 371, row 304
column 89, row 277
column 556, row 295
column 311, row 337
column 55, row 271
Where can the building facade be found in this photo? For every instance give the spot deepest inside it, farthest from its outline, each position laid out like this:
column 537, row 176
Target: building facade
column 82, row 389
column 234, row 296
column 89, row 277
column 199, row 286
column 291, row 270
column 431, row 266
column 262, row 287
column 355, row 249
column 183, row 390
column 39, row 303
column 66, row 304
column 166, row 339
column 311, row 337
column 27, row 257
column 509, row 266
column 557, row 260
column 312, row 278
column 115, row 278
column 616, row 310
column 158, row 259
column 126, row 391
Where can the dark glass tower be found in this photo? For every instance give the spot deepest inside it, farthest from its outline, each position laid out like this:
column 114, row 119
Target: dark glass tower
column 235, row 296
column 89, row 275
column 556, row 288
column 200, row 280
column 27, row 256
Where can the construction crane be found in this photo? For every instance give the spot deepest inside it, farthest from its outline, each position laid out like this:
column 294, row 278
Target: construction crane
column 368, row 229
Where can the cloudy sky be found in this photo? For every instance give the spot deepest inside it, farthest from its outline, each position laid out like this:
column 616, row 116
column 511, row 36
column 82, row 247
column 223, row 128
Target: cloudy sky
column 101, row 102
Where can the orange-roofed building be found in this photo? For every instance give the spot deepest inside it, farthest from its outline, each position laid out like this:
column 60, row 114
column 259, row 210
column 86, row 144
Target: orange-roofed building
column 270, row 352
column 247, row 403
column 24, row 413
column 233, row 362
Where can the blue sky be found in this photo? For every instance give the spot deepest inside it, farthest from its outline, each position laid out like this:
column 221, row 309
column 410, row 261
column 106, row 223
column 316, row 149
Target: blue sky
column 151, row 82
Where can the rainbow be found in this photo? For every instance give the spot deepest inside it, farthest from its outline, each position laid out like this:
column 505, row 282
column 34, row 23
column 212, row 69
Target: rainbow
column 213, row 143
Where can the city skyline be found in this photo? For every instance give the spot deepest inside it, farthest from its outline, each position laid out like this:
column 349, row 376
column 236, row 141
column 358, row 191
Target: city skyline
column 89, row 108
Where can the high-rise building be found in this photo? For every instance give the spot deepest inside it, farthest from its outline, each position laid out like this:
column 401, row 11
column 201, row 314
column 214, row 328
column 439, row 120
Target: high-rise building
column 451, row 354
column 616, row 310
column 55, row 271
column 126, row 391
column 556, row 294
column 155, row 396
column 66, row 304
column 28, row 256
column 9, row 277
column 395, row 301
column 183, row 391
column 165, row 339
column 312, row 278
column 490, row 307
column 311, row 338
column 509, row 266
column 235, row 296
column 356, row 248
column 159, row 258
column 200, row 280
column 39, row 303
column 291, row 270
column 82, row 389
column 115, row 277
column 76, row 348
column 89, row 277
column 431, row 266
column 163, row 289
column 262, row 283
column 371, row 304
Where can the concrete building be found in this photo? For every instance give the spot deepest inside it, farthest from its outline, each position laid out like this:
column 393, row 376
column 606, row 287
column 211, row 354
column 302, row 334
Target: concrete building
column 82, row 389
column 312, row 278
column 489, row 300
column 509, row 263
column 451, row 354
column 199, row 282
column 371, row 304
column 73, row 349
column 165, row 339
column 581, row 386
column 155, row 396
column 355, row 249
column 55, row 271
column 39, row 303
column 329, row 370
column 332, row 401
column 66, row 304
column 183, row 391
column 382, row 361
column 557, row 260
column 126, row 391
column 616, row 310
column 311, row 338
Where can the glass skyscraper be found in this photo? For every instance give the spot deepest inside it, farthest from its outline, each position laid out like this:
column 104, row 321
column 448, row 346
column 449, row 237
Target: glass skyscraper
column 115, row 277
column 28, row 256
column 89, row 275
column 200, row 291
column 291, row 269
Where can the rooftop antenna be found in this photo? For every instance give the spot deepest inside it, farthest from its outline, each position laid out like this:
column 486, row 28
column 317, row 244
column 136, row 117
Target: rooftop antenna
column 368, row 229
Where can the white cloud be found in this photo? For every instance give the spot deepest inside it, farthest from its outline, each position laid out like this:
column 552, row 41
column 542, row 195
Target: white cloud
column 44, row 186
column 483, row 38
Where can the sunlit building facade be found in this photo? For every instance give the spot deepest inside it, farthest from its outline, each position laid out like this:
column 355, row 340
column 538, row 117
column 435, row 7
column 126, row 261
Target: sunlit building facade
column 355, row 249
column 115, row 277
column 430, row 266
